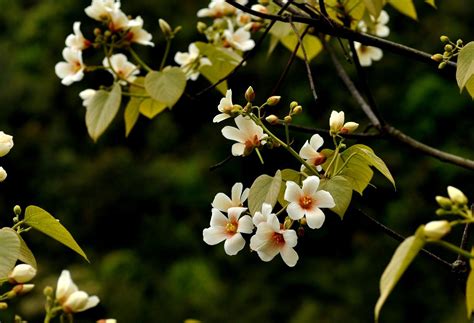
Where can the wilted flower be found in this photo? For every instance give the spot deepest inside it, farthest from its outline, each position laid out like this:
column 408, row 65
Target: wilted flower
column 436, row 229
column 247, row 134
column 310, row 153
column 191, row 62
column 22, row 273
column 119, row 65
column 70, row 298
column 271, row 239
column 223, row 203
column 308, row 201
column 367, row 54
column 225, row 107
column 137, row 34
column 239, row 39
column 77, row 40
column 6, row 143
column 87, row 96
column 72, row 70
column 228, row 228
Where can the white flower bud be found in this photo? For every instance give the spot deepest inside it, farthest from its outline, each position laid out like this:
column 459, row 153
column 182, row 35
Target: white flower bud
column 444, row 202
column 165, row 28
column 107, row 321
column 3, row 174
column 349, row 127
column 437, row 229
column 456, row 195
column 6, row 143
column 272, row 119
column 336, row 121
column 21, row 289
column 22, row 273
column 273, row 100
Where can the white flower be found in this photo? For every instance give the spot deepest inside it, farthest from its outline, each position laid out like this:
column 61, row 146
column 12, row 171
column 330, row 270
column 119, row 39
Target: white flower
column 270, row 239
column 308, row 201
column 436, row 229
column 119, row 21
column 263, row 216
column 122, row 67
column 22, row 273
column 247, row 134
column 223, row 203
column 219, row 9
column 6, row 143
column 239, row 39
column 77, row 40
column 87, row 96
column 456, row 195
column 337, row 125
column 71, row 299
column 225, row 107
column 191, row 62
column 3, row 174
column 137, row 34
column 101, row 9
column 228, row 229
column 309, row 152
column 377, row 26
column 367, row 54
column 72, row 70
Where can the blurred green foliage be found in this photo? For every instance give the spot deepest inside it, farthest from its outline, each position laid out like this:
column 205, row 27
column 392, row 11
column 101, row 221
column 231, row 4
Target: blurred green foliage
column 138, row 205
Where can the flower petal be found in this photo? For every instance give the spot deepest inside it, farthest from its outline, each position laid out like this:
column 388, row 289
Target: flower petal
column 236, row 193
column 324, row 199
column 245, row 224
column 218, row 219
column 220, row 117
column 307, row 152
column 290, row 238
column 310, row 185
column 233, row 133
column 295, row 211
column 316, row 141
column 292, row 192
column 234, row 244
column 289, row 256
column 221, row 202
column 315, row 218
column 213, row 236
column 238, row 149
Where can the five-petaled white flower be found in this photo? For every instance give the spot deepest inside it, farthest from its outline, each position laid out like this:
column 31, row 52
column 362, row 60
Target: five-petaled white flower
column 119, row 65
column 72, row 70
column 191, row 62
column 247, row 134
column 137, row 34
column 367, row 54
column 240, row 39
column 228, row 228
column 310, row 153
column 70, row 297
column 223, row 203
column 308, row 201
column 377, row 27
column 225, row 107
column 87, row 96
column 271, row 239
column 101, row 9
column 262, row 216
column 77, row 40
column 337, row 125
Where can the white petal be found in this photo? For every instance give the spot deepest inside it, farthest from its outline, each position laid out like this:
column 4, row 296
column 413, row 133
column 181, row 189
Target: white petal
column 307, row 151
column 324, row 199
column 290, row 238
column 292, row 192
column 245, row 195
column 220, row 117
column 245, row 224
column 65, row 286
column 316, row 141
column 294, row 210
column 213, row 236
column 268, row 252
column 310, row 185
column 246, row 126
column 234, row 244
column 181, row 58
column 315, row 218
column 233, row 133
column 259, row 218
column 91, row 302
column 236, row 193
column 266, row 209
column 236, row 212
column 218, row 219
column 289, row 256
column 272, row 220
column 221, row 202
column 238, row 149
column 63, row 69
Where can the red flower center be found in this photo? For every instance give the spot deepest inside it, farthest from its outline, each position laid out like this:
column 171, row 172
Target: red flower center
column 278, row 239
column 306, row 202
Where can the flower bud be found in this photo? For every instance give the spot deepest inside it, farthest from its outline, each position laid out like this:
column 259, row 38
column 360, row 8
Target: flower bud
column 250, row 94
column 201, row 27
column 442, row 65
column 48, row 291
column 436, row 229
column 272, row 119
column 287, row 119
column 444, row 202
column 298, row 109
column 165, row 28
column 17, row 210
column 456, row 195
column 236, row 108
column 260, row 8
column 3, row 174
column 21, row 289
column 293, row 105
column 3, row 306
column 349, row 127
column 76, row 302
column 459, row 42
column 22, row 273
column 441, row 212
column 300, row 232
column 273, row 100
column 437, row 58
column 444, row 39
column 97, row 31
column 448, row 47
column 336, row 121
column 6, row 143
column 107, row 321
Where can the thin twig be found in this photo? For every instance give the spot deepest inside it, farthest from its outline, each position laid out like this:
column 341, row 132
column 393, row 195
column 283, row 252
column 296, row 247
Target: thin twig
column 221, row 163
column 286, row 70
column 325, row 132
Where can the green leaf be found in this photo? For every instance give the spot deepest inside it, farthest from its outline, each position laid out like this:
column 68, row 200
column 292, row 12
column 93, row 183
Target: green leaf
column 470, row 289
column 341, row 191
column 9, row 251
column 400, row 261
column 265, row 189
column 102, row 110
column 465, row 68
column 150, row 108
column 166, row 86
column 356, row 171
column 132, row 111
column 25, row 254
column 42, row 221
column 374, row 7
column 312, row 45
column 431, row 3
column 288, row 175
column 405, row 7
column 223, row 62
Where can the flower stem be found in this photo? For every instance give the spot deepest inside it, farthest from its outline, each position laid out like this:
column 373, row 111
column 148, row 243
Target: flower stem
column 165, row 55
column 139, row 60
column 259, row 155
column 453, row 248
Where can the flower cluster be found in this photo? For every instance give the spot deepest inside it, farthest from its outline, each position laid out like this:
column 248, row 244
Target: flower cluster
column 375, row 26
column 6, row 144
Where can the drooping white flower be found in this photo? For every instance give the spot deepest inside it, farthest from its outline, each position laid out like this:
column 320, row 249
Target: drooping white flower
column 126, row 71
column 310, row 153
column 77, row 40
column 262, row 216
column 223, row 203
column 191, row 61
column 72, row 70
column 240, row 39
column 308, row 201
column 228, row 228
column 137, row 34
column 271, row 239
column 3, row 174
column 87, row 96
column 367, row 54
column 337, row 125
column 101, row 9
column 225, row 107
column 22, row 273
column 70, row 297
column 6, row 143
column 219, row 9
column 247, row 134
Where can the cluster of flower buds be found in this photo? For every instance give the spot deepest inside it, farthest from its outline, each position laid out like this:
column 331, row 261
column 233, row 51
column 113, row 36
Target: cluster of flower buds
column 375, row 26
column 6, row 144
column 19, row 277
column 450, row 50
column 455, row 201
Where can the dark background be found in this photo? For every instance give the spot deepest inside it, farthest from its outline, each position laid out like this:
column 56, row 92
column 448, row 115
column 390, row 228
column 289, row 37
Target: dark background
column 138, row 205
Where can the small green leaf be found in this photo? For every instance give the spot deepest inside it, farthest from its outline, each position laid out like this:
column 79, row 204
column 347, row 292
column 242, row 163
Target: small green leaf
column 470, row 289
column 374, row 7
column 405, row 7
column 465, row 68
column 102, row 110
column 400, row 261
column 341, row 191
column 9, row 251
column 312, row 45
column 25, row 254
column 132, row 111
column 431, row 3
column 150, row 108
column 166, row 86
column 265, row 189
column 42, row 221
column 288, row 175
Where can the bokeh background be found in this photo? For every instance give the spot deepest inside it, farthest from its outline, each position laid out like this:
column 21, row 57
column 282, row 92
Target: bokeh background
column 138, row 205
